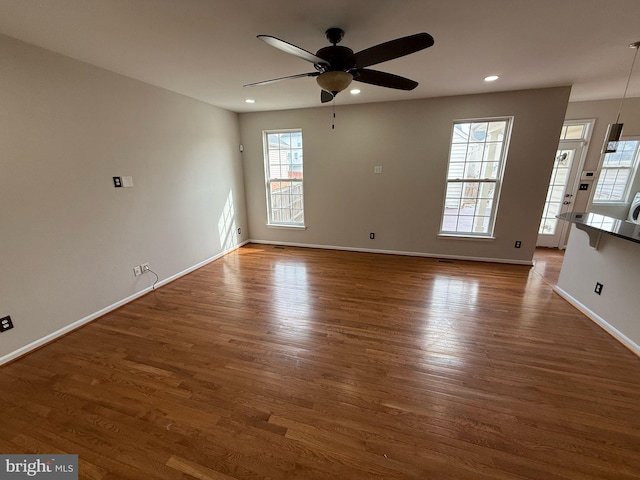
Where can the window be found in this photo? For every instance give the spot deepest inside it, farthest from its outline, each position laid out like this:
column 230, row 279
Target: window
column 616, row 173
column 283, row 169
column 574, row 130
column 476, row 162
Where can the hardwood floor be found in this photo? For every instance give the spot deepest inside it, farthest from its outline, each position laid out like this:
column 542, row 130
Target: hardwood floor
column 547, row 263
column 313, row 364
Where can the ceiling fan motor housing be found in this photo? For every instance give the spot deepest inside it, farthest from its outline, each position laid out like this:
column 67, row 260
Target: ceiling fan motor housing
column 338, row 58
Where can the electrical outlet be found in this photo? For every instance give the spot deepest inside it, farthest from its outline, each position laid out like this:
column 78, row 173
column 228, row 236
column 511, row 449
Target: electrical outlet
column 372, row 235
column 145, row 267
column 518, row 244
column 137, row 270
column 239, row 231
column 5, row 324
column 117, row 182
column 598, row 288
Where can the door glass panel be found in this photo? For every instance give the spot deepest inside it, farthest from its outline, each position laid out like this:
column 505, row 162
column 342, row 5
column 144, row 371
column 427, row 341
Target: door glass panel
column 556, row 192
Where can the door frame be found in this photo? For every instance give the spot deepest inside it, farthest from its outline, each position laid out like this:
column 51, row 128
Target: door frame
column 581, row 146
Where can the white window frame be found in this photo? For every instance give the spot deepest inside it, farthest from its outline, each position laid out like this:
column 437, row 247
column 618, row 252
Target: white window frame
column 497, row 182
column 632, row 173
column 271, row 221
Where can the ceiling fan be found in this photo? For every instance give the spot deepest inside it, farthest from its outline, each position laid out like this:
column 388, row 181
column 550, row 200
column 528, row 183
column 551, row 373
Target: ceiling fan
column 336, row 66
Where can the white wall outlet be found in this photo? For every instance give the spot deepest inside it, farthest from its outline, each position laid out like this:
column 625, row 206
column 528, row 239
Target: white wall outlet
column 377, row 169
column 137, row 270
column 145, row 267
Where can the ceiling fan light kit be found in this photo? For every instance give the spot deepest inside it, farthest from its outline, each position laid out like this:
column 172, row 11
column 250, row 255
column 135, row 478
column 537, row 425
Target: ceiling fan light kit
column 334, row 82
column 337, row 66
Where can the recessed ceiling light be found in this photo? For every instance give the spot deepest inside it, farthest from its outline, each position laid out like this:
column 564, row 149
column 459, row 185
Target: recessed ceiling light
column 355, row 91
column 491, row 78
column 250, row 100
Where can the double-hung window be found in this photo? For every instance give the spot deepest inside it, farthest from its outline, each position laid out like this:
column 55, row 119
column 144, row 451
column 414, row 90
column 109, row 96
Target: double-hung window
column 476, row 164
column 617, row 172
column 283, row 170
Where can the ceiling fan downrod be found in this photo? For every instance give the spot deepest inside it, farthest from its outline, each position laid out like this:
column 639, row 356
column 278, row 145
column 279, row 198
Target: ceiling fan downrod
column 334, row 35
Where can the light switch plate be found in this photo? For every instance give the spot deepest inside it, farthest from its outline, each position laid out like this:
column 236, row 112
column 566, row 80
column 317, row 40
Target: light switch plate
column 127, row 181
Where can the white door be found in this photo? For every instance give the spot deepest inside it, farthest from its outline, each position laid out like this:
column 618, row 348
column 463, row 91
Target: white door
column 559, row 199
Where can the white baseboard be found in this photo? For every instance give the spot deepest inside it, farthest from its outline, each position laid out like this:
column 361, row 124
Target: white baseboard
column 72, row 326
column 397, row 252
column 606, row 326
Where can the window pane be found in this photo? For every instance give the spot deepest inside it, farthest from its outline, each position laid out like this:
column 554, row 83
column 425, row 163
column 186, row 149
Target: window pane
column 473, row 170
column 461, row 132
column 450, row 223
column 573, row 132
column 493, row 152
column 548, row 226
column 475, row 152
column 497, row 131
column 454, row 190
column 272, row 139
column 481, row 225
column 296, row 139
column 490, row 170
column 478, row 132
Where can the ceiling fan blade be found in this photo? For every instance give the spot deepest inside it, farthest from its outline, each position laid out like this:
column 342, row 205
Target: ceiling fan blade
column 383, row 79
column 325, row 96
column 291, row 49
column 393, row 49
column 273, row 80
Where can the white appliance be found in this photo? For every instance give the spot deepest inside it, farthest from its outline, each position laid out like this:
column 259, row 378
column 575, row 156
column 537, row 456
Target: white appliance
column 634, row 210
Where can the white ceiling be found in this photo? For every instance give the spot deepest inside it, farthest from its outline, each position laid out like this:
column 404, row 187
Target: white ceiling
column 207, row 49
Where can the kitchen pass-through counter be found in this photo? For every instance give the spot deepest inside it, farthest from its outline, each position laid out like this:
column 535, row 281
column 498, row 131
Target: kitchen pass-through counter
column 603, row 254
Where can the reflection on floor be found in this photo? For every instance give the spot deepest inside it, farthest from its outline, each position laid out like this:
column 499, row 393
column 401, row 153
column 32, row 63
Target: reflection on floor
column 547, row 263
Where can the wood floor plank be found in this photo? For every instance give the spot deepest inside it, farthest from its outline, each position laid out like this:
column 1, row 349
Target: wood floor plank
column 297, row 363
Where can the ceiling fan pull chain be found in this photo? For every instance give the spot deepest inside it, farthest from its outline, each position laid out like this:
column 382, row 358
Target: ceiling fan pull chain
column 333, row 122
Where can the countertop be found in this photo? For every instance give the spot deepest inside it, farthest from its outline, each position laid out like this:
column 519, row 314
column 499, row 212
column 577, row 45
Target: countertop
column 601, row 223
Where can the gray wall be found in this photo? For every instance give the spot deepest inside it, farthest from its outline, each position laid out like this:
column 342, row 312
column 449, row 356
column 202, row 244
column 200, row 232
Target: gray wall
column 604, row 112
column 69, row 239
column 345, row 200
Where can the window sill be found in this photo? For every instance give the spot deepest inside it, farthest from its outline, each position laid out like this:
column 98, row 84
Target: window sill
column 466, row 237
column 289, row 227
